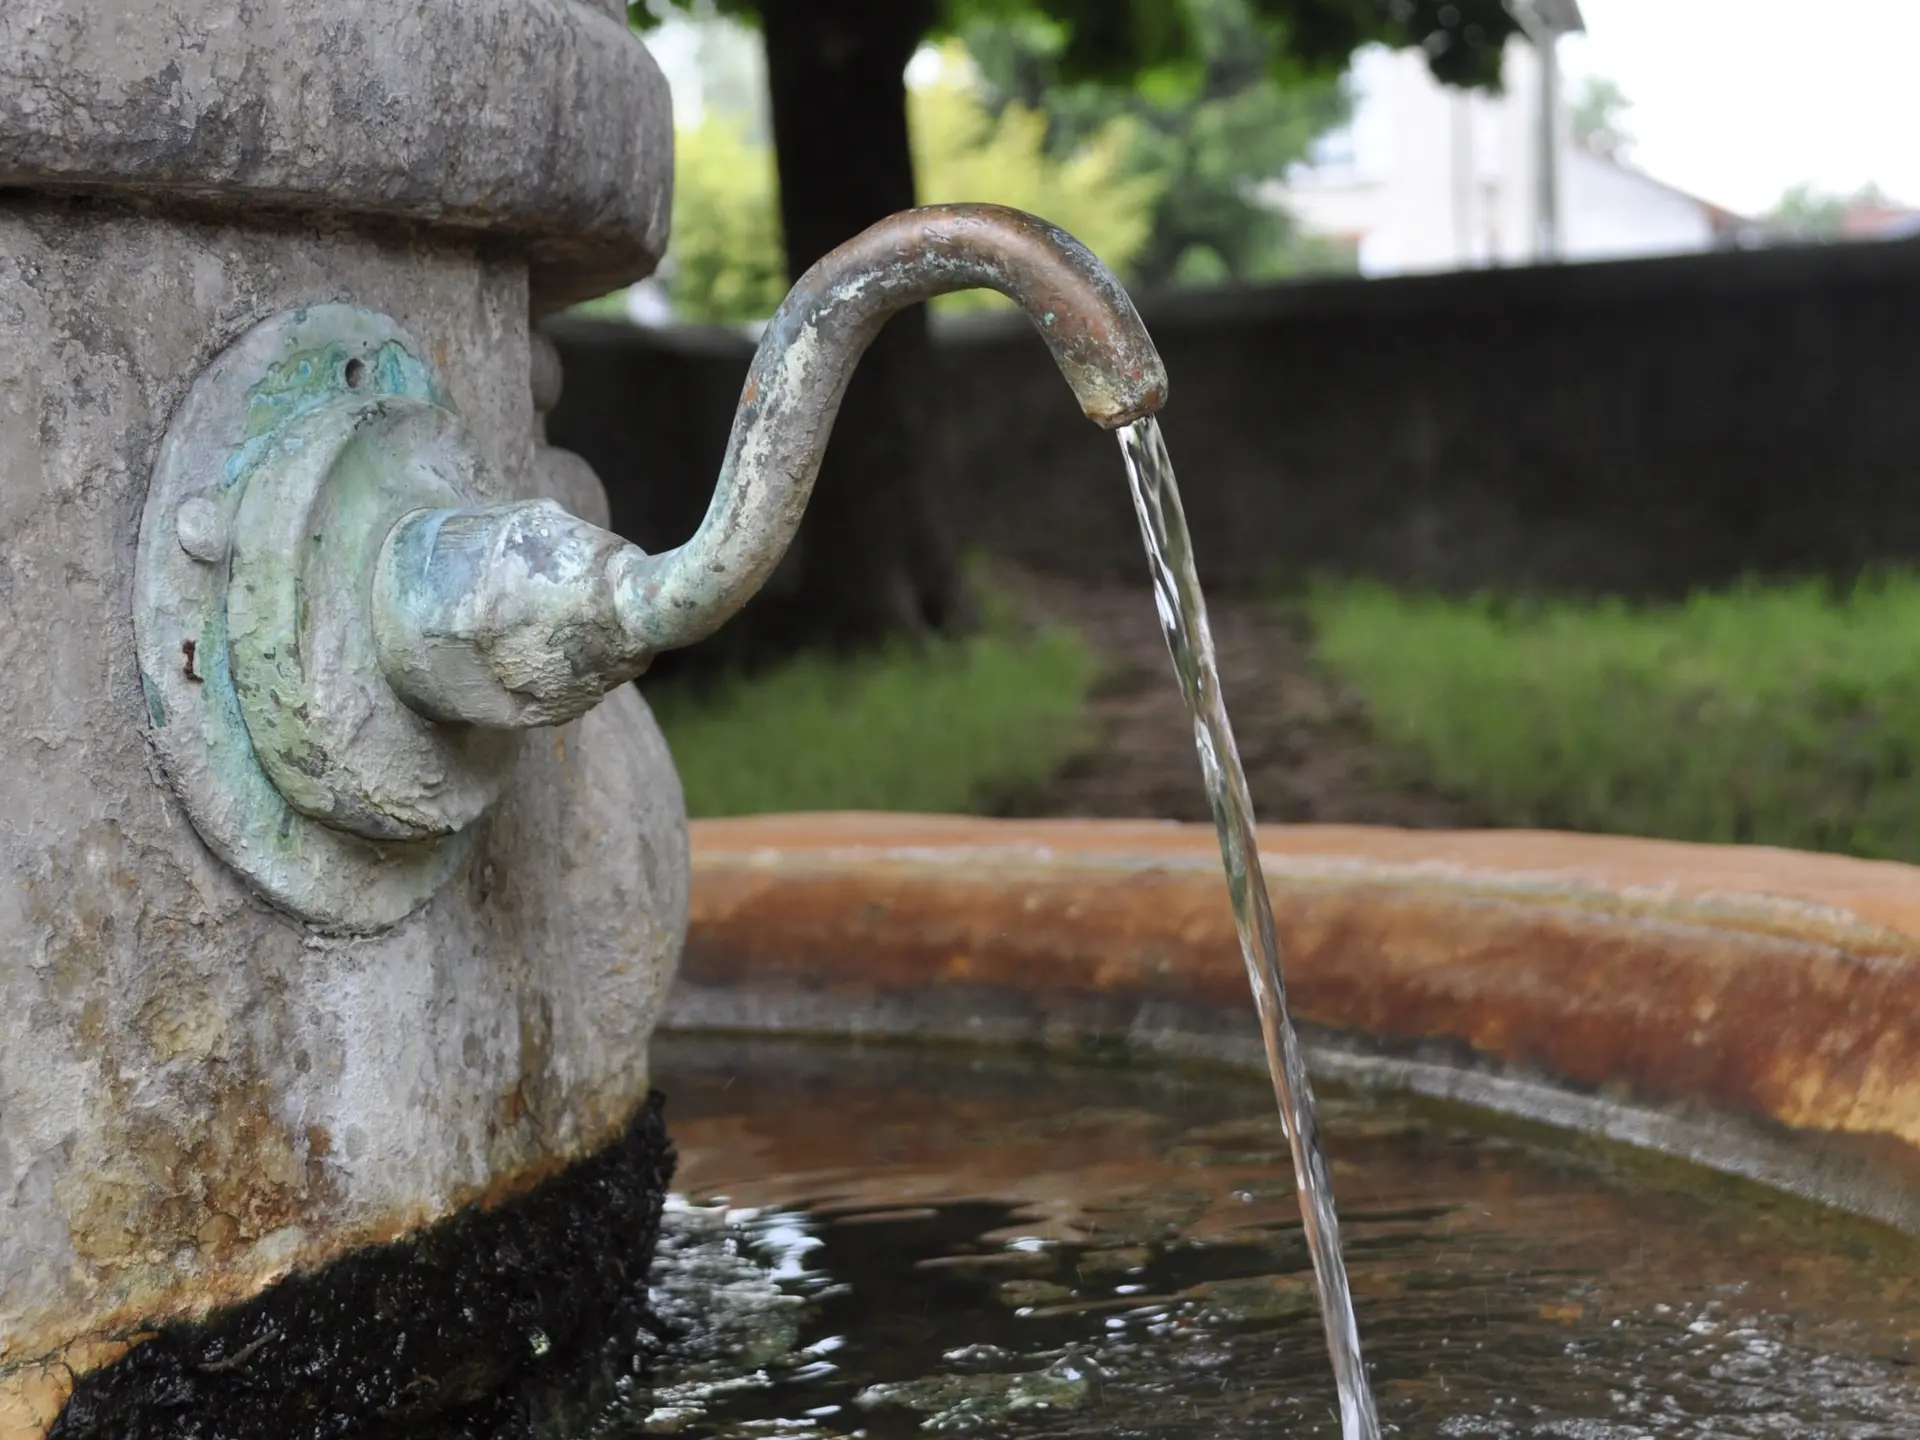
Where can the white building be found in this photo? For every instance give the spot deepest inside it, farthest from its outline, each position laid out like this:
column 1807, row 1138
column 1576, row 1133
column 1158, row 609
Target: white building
column 1428, row 177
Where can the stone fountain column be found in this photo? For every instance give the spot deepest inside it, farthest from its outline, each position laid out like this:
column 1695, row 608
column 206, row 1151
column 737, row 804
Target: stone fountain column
column 200, row 1091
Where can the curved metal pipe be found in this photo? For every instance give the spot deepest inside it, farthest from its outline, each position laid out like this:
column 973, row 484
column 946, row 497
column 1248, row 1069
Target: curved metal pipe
column 515, row 619
column 808, row 354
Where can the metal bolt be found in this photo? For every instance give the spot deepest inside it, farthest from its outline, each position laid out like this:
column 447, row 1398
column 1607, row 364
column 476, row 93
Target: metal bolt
column 202, row 529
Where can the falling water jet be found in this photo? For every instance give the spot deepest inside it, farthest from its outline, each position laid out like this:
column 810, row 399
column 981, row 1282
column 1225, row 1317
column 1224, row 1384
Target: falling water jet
column 1183, row 622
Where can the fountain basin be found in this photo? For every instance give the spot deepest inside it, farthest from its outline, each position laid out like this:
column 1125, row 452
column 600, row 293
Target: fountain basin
column 1748, row 1010
column 1753, row 1010
column 1023, row 1243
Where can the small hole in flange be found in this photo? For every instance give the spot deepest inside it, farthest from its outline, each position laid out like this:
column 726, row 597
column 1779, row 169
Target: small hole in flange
column 356, row 373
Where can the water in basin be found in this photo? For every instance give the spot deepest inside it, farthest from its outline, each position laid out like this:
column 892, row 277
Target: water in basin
column 888, row 1242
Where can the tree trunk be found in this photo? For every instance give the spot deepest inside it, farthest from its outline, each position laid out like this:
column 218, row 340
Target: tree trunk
column 872, row 559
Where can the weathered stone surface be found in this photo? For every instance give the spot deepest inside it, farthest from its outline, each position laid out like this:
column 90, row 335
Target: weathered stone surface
column 195, row 1092
column 544, row 123
column 1757, row 1010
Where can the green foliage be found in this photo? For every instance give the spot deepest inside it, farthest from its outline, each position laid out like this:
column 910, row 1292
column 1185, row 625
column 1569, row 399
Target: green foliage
column 953, row 726
column 1599, row 112
column 1209, row 97
column 1809, row 214
column 645, row 14
column 1783, row 715
column 964, row 151
column 726, row 264
column 603, row 307
column 1207, row 133
column 1122, row 41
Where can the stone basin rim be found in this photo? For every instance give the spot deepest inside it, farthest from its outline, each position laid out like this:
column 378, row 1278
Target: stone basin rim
column 1754, row 1010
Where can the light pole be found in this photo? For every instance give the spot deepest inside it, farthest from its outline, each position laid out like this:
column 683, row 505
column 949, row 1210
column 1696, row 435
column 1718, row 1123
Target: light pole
column 1544, row 22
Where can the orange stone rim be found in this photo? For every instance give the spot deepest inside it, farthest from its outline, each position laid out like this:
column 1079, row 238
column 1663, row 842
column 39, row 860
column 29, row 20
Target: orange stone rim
column 1755, row 1010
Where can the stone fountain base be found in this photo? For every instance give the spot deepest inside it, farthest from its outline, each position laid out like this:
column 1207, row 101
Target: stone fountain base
column 1753, row 1010
column 199, row 1093
column 537, row 1307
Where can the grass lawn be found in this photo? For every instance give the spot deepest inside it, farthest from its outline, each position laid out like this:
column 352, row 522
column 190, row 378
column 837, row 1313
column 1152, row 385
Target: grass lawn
column 1783, row 715
column 954, row 726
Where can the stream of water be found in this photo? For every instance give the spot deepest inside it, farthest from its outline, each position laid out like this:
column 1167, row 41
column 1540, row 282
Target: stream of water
column 1183, row 621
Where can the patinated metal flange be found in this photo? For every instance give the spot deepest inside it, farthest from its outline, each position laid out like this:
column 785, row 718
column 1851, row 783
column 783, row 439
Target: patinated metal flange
column 280, row 476
column 365, row 620
column 331, row 734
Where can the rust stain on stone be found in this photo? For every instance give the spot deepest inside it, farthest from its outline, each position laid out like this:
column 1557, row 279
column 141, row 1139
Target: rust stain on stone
column 1765, row 983
column 535, row 1097
column 33, row 1390
column 199, row 1165
column 215, row 1181
column 32, row 1395
column 198, row 1170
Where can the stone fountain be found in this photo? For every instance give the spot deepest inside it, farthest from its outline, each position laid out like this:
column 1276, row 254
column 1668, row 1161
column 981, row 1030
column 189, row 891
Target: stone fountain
column 342, row 876
column 345, row 875
column 214, row 1067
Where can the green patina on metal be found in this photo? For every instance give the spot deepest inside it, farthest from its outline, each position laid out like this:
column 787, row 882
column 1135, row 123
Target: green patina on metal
column 386, row 633
column 807, row 354
column 156, row 709
column 326, row 728
column 219, row 726
column 311, row 377
column 301, row 386
column 267, row 603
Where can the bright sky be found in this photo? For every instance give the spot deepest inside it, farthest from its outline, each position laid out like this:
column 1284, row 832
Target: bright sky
column 1736, row 100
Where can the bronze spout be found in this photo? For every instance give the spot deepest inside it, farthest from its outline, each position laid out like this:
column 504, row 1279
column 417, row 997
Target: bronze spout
column 470, row 605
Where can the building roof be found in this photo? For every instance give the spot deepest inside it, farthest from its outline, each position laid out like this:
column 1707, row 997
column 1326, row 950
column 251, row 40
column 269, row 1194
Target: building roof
column 1548, row 18
column 1718, row 216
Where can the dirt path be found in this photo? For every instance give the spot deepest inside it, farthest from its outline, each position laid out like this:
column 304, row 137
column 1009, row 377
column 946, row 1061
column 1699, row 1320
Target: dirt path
column 1305, row 745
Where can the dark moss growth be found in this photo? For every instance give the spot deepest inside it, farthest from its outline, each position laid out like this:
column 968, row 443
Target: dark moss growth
column 502, row 1323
